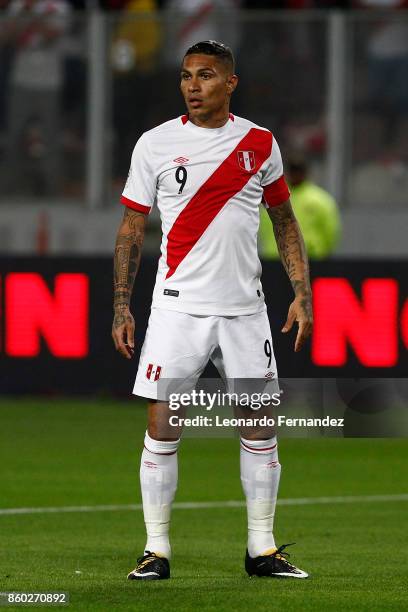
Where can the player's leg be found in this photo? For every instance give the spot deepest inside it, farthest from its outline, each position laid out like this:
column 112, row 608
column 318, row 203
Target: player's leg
column 158, row 476
column 175, row 349
column 158, row 483
column 260, row 475
column 247, row 353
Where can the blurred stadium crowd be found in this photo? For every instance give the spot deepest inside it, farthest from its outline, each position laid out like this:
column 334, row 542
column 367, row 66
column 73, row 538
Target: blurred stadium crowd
column 282, row 60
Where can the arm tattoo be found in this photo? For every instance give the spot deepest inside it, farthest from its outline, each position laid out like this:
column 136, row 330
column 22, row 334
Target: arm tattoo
column 127, row 259
column 291, row 248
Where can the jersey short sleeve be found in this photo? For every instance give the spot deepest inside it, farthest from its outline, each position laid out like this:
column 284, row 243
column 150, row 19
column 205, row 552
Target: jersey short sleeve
column 140, row 189
column 275, row 189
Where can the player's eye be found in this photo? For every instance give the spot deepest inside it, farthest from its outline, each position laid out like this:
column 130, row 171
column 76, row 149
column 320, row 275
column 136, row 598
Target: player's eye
column 206, row 75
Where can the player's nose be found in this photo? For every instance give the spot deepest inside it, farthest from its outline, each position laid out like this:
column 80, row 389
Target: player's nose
column 193, row 85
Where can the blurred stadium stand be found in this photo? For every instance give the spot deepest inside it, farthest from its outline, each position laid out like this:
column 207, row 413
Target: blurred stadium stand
column 331, row 82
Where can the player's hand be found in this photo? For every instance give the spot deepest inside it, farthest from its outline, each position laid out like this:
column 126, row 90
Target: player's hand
column 123, row 332
column 300, row 311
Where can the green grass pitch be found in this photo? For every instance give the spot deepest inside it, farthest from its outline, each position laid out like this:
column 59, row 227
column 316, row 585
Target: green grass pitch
column 71, row 453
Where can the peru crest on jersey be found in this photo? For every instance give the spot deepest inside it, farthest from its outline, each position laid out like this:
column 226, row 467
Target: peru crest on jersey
column 246, row 160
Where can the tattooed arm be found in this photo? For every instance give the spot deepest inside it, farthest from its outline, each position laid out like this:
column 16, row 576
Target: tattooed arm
column 128, row 249
column 294, row 258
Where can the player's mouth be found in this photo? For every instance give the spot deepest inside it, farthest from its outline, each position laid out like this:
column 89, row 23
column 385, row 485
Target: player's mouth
column 195, row 102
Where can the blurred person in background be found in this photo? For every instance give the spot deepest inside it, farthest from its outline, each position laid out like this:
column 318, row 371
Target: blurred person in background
column 192, row 20
column 315, row 209
column 35, row 29
column 188, row 21
column 134, row 56
column 387, row 55
column 6, row 56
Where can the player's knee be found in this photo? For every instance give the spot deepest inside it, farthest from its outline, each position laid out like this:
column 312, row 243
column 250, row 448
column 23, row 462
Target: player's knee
column 161, row 434
column 161, row 430
column 160, row 425
column 253, row 435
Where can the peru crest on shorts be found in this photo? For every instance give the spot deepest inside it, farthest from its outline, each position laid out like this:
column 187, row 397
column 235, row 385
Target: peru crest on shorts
column 153, row 372
column 246, row 160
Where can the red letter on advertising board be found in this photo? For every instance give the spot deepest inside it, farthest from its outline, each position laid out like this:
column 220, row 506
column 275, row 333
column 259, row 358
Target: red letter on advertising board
column 60, row 317
column 369, row 326
column 404, row 324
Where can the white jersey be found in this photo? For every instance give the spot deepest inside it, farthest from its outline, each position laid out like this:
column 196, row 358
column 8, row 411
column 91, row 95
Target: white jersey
column 208, row 185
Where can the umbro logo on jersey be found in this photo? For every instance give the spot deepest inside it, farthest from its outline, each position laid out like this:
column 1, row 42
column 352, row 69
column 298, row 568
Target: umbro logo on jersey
column 171, row 292
column 153, row 372
column 181, row 160
column 246, row 160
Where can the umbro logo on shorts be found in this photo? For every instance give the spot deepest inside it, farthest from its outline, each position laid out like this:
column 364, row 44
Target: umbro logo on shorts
column 269, row 375
column 153, row 372
column 246, row 160
column 181, row 160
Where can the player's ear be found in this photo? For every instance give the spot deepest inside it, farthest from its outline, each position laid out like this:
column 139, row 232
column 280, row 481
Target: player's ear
column 232, row 83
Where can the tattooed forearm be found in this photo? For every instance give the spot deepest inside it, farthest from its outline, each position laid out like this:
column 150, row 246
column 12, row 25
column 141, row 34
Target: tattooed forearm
column 127, row 259
column 291, row 247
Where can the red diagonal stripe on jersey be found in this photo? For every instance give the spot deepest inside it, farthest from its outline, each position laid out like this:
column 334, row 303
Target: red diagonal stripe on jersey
column 225, row 182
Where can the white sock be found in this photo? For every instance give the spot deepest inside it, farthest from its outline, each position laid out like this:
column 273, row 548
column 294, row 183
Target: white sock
column 158, row 481
column 260, row 473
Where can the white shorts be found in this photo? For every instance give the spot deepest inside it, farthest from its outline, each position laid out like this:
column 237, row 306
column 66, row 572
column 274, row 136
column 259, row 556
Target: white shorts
column 178, row 346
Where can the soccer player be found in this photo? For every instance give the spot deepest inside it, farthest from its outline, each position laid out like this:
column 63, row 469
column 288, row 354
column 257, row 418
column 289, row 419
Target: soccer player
column 207, row 171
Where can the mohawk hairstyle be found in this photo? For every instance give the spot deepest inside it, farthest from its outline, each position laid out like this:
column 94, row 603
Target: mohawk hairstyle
column 212, row 47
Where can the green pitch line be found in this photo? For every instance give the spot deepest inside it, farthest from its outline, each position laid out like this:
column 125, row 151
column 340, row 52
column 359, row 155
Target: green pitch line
column 57, row 453
column 301, row 501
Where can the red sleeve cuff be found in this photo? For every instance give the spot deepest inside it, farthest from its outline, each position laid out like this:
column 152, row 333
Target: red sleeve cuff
column 135, row 205
column 277, row 192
